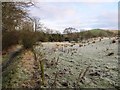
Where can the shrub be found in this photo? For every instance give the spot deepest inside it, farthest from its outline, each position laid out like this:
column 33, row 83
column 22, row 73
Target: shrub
column 80, row 45
column 28, row 39
column 113, row 41
column 93, row 42
column 9, row 38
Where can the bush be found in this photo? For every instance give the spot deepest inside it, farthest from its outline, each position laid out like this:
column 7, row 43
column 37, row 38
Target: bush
column 28, row 39
column 9, row 38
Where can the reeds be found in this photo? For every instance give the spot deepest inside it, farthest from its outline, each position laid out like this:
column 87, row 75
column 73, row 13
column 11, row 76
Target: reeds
column 39, row 62
column 82, row 74
column 56, row 74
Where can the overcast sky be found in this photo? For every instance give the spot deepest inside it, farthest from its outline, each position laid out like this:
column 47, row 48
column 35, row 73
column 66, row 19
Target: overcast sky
column 80, row 15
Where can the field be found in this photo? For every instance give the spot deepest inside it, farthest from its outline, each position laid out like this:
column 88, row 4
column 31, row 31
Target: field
column 68, row 60
column 93, row 63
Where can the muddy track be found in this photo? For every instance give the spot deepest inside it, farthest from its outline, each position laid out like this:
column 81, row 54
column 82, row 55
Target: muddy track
column 11, row 59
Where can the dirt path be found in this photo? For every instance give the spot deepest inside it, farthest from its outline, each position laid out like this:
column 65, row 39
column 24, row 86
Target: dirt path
column 26, row 70
column 11, row 58
column 22, row 72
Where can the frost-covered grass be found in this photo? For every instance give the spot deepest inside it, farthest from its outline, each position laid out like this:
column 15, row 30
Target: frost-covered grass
column 73, row 59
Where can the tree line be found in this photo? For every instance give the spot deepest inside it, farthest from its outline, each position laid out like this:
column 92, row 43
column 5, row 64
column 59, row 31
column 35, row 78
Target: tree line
column 19, row 28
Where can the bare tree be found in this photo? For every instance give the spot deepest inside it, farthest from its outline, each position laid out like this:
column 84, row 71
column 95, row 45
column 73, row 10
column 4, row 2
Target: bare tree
column 69, row 30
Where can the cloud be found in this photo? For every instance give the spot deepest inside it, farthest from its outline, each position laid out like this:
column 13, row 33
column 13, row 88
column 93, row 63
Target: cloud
column 58, row 16
column 51, row 11
column 107, row 20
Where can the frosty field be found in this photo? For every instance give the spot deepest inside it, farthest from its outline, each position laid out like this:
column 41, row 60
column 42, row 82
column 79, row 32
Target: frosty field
column 85, row 64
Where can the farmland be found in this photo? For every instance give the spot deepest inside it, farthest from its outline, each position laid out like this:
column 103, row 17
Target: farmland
column 85, row 64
